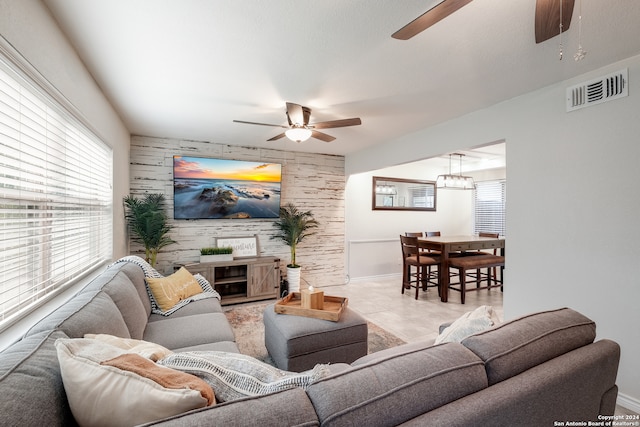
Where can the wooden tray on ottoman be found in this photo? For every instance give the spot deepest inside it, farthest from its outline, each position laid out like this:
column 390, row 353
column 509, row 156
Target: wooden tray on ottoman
column 292, row 304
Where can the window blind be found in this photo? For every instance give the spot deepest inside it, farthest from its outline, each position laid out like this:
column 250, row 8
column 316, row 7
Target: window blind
column 490, row 207
column 422, row 197
column 55, row 195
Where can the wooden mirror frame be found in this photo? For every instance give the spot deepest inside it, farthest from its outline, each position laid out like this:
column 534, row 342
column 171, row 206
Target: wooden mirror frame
column 399, row 200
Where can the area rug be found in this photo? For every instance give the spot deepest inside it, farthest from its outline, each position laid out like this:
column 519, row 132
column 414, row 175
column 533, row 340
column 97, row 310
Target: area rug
column 246, row 321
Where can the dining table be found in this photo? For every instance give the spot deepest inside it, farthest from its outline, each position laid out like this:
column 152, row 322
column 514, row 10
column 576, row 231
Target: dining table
column 450, row 245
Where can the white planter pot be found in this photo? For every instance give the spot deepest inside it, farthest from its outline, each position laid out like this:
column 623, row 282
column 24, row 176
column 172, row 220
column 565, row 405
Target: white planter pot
column 216, row 258
column 293, row 278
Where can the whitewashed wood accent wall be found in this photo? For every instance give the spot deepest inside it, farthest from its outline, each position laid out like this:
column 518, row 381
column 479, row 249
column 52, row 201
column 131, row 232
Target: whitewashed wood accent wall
column 313, row 182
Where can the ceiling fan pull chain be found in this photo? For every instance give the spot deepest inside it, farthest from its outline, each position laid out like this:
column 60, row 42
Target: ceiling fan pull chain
column 580, row 54
column 560, row 47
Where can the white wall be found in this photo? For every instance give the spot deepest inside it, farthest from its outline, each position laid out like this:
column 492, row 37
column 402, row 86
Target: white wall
column 28, row 26
column 572, row 204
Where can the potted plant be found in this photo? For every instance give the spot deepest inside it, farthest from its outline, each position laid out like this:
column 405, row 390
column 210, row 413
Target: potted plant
column 216, row 254
column 148, row 224
column 293, row 226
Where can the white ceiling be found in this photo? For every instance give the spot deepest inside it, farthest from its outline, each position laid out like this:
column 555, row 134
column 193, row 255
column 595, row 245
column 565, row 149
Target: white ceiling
column 187, row 68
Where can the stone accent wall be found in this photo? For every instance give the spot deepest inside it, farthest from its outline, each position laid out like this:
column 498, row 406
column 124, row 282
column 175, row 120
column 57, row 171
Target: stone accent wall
column 313, row 182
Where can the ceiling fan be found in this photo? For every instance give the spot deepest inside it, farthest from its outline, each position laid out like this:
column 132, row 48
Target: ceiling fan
column 430, row 17
column 547, row 18
column 299, row 128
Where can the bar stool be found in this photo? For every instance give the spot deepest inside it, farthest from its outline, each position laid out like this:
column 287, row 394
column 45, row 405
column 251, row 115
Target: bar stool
column 479, row 276
column 413, row 257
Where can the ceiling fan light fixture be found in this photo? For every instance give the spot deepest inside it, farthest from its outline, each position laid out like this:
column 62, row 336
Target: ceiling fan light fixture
column 298, row 134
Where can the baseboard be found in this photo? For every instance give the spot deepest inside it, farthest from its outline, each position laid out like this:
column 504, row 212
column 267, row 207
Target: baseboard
column 628, row 402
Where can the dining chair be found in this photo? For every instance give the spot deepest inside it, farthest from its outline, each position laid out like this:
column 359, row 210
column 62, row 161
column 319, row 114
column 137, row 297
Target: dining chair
column 414, row 234
column 412, row 256
column 490, row 271
column 432, row 252
column 476, row 262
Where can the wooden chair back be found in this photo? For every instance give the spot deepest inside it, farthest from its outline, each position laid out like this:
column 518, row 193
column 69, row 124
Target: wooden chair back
column 416, row 234
column 409, row 246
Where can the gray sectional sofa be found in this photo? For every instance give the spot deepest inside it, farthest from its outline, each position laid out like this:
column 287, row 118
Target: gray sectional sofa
column 534, row 370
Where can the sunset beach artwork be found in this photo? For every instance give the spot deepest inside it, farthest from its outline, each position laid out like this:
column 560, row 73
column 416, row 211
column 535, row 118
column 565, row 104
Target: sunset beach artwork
column 209, row 188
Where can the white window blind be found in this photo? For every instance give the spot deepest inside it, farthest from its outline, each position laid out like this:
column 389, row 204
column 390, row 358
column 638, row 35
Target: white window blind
column 489, row 206
column 422, row 197
column 55, row 195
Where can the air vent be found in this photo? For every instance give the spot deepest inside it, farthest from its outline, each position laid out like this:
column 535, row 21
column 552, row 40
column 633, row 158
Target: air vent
column 597, row 91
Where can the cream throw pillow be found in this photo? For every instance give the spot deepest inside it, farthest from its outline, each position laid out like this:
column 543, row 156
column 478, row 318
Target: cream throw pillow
column 102, row 395
column 146, row 349
column 478, row 320
column 170, row 290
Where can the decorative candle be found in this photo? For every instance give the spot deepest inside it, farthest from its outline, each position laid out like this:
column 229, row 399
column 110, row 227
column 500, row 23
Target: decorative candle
column 312, row 298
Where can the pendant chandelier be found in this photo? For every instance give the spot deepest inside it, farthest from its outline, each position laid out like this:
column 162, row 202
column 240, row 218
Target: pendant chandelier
column 455, row 182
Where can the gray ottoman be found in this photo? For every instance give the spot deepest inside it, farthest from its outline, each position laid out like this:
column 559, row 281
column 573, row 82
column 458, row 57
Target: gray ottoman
column 298, row 343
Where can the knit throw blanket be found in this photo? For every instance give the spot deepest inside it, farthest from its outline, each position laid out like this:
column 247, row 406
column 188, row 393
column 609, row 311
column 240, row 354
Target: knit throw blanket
column 207, row 289
column 234, row 376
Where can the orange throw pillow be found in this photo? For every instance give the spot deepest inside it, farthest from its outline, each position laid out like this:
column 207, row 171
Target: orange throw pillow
column 166, row 377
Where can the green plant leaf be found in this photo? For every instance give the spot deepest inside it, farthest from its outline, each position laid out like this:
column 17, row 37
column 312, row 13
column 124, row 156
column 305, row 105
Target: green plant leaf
column 293, row 226
column 148, row 223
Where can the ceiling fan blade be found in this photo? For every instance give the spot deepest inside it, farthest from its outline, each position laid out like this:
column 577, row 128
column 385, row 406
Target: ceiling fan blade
column 261, row 124
column 337, row 123
column 295, row 114
column 275, row 138
column 321, row 136
column 547, row 23
column 306, row 115
column 430, row 17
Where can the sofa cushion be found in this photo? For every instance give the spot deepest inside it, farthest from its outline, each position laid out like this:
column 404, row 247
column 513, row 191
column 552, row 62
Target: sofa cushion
column 189, row 331
column 290, row 407
column 31, row 389
column 96, row 284
column 228, row 346
column 394, row 351
column 123, row 293
column 399, row 387
column 515, row 346
column 103, row 395
column 135, row 273
column 203, row 306
column 234, row 376
column 170, row 290
column 85, row 313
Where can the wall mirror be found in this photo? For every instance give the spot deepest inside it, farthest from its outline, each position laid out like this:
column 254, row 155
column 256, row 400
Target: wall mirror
column 403, row 194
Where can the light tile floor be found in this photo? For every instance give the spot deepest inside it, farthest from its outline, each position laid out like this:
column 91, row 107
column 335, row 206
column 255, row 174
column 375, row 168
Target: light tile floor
column 380, row 301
